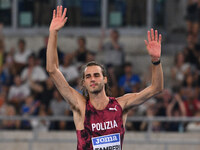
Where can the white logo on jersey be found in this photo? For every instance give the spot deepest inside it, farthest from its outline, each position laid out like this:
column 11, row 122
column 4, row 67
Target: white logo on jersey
column 104, row 126
column 113, row 108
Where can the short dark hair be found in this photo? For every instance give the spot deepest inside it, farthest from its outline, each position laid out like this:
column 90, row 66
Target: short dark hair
column 32, row 55
column 104, row 73
column 115, row 31
column 22, row 41
column 82, row 38
column 128, row 64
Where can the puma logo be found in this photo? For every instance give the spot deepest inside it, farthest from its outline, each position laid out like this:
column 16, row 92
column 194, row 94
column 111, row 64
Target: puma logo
column 113, row 108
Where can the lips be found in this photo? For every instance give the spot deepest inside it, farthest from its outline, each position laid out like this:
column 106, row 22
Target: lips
column 93, row 85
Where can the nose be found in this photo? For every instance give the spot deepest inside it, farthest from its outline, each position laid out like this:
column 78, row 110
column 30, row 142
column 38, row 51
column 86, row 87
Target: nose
column 92, row 78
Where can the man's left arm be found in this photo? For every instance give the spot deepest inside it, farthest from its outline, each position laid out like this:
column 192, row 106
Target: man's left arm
column 154, row 49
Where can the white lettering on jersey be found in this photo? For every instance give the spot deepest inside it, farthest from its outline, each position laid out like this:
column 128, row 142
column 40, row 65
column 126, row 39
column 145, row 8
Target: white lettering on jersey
column 107, row 142
column 104, row 126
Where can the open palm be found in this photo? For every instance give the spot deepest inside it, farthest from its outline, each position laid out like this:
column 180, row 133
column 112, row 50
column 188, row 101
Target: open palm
column 59, row 19
column 154, row 44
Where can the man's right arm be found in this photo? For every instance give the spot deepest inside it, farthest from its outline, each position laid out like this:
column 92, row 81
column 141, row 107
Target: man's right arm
column 75, row 99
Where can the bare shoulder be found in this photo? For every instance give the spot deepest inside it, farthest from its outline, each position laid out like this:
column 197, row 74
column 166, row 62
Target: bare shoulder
column 123, row 100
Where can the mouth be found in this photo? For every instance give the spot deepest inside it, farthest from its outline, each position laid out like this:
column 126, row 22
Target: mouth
column 93, row 85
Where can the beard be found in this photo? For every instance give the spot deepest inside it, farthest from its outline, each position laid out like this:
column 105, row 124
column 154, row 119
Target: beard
column 98, row 90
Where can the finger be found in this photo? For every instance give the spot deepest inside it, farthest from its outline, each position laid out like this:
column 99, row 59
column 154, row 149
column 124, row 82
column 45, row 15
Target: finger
column 57, row 11
column 156, row 35
column 160, row 38
column 60, row 11
column 64, row 13
column 148, row 36
column 152, row 34
column 65, row 20
column 146, row 43
column 54, row 13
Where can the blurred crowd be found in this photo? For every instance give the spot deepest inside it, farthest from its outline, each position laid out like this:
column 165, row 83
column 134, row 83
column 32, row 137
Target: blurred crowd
column 27, row 90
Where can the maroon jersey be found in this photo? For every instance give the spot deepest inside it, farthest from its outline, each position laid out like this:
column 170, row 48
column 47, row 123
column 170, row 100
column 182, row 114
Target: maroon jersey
column 103, row 129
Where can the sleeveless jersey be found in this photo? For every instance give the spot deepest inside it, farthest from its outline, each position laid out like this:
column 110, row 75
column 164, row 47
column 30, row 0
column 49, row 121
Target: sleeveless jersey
column 103, row 129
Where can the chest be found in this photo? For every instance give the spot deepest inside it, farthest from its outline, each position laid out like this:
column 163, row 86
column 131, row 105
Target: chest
column 105, row 121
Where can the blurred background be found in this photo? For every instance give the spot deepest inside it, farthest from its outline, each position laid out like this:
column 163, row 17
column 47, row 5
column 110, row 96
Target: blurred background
column 33, row 115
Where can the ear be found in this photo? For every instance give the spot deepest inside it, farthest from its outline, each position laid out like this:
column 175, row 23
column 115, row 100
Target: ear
column 105, row 80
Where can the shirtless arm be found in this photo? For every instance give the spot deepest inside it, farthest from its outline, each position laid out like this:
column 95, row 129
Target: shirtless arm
column 134, row 99
column 75, row 99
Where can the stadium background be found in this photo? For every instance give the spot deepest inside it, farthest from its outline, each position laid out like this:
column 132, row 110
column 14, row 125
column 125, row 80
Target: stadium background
column 26, row 91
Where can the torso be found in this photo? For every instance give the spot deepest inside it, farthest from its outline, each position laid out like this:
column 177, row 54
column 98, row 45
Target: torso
column 102, row 128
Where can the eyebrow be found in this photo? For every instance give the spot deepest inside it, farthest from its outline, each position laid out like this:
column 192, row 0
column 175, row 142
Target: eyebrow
column 87, row 75
column 96, row 74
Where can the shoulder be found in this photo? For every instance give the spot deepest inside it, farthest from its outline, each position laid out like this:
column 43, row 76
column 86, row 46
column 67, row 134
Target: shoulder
column 122, row 100
column 114, row 103
column 135, row 77
column 12, row 88
column 39, row 68
column 28, row 51
column 53, row 102
column 126, row 96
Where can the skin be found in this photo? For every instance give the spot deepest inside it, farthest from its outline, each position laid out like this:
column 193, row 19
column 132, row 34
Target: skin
column 94, row 81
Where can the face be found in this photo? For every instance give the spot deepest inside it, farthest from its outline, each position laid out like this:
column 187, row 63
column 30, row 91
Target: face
column 128, row 70
column 180, row 58
column 114, row 35
column 94, row 80
column 21, row 46
column 17, row 80
column 176, row 113
column 49, row 82
column 90, row 57
column 190, row 41
column 57, row 95
column 29, row 100
column 11, row 111
column 189, row 79
column 81, row 43
column 67, row 59
column 31, row 61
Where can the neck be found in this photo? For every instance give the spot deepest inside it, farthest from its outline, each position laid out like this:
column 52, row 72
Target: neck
column 82, row 49
column 66, row 64
column 59, row 100
column 100, row 100
column 179, row 65
column 22, row 50
column 129, row 75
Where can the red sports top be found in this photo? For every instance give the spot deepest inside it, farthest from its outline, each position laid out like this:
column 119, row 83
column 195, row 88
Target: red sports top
column 103, row 129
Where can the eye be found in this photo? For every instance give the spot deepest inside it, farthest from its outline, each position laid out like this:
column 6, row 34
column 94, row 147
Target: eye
column 87, row 76
column 96, row 74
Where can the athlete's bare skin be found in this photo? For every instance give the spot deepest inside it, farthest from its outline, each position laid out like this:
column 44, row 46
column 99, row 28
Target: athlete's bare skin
column 94, row 81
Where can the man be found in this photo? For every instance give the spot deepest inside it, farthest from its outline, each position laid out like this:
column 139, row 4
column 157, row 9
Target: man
column 99, row 119
column 21, row 55
column 113, row 50
column 129, row 81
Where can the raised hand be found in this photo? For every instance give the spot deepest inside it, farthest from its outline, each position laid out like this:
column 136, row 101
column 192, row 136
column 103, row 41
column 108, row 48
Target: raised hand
column 154, row 44
column 59, row 19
